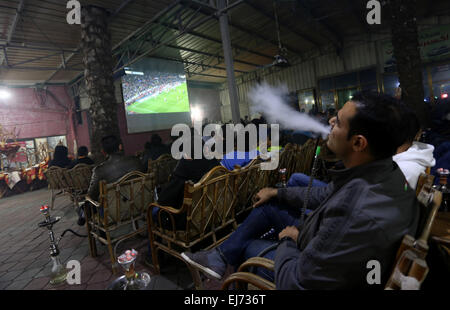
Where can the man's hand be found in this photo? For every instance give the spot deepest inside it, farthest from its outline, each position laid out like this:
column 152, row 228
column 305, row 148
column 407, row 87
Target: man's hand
column 289, row 231
column 264, row 195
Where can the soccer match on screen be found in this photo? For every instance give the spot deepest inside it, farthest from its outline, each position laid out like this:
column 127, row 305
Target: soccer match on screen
column 155, row 92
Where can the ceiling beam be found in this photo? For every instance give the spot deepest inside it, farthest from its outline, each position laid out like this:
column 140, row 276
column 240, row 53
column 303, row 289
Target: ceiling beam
column 332, row 34
column 12, row 29
column 159, row 44
column 212, row 39
column 303, row 36
column 61, row 66
column 210, row 54
column 143, row 28
column 195, row 63
column 120, row 8
column 208, row 10
column 39, row 68
column 36, row 47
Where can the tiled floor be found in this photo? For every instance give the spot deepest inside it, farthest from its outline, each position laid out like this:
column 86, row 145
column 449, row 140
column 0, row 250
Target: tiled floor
column 24, row 250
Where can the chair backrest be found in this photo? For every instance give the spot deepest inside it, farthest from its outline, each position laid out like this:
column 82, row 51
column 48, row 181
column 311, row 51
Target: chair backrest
column 210, row 202
column 81, row 176
column 55, row 178
column 249, row 180
column 126, row 198
column 410, row 267
column 162, row 168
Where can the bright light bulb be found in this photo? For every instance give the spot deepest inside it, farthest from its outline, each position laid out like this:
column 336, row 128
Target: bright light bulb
column 196, row 114
column 4, row 94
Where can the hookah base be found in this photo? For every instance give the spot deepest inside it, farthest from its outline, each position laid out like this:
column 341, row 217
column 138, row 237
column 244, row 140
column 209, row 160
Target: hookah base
column 59, row 278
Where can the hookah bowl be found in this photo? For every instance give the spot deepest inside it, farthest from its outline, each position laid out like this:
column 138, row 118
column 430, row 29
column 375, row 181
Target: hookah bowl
column 132, row 280
column 58, row 273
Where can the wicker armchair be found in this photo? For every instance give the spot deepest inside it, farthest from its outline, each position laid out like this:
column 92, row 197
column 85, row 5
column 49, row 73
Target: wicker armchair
column 208, row 209
column 120, row 211
column 56, row 182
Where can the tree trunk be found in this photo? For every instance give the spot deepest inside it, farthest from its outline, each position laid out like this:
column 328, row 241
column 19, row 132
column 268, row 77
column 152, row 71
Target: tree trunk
column 406, row 51
column 98, row 73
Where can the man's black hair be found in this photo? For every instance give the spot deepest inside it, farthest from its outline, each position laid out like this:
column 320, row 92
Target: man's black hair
column 60, row 152
column 83, row 151
column 110, row 144
column 379, row 119
column 156, row 139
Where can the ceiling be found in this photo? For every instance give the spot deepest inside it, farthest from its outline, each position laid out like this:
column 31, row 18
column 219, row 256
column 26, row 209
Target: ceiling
column 38, row 46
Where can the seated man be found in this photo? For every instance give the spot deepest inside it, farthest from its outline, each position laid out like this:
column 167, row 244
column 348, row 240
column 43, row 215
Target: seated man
column 154, row 149
column 60, row 158
column 242, row 156
column 112, row 169
column 186, row 169
column 362, row 215
column 82, row 157
column 414, row 157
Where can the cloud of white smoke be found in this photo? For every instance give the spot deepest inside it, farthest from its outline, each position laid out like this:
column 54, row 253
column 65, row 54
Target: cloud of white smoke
column 268, row 100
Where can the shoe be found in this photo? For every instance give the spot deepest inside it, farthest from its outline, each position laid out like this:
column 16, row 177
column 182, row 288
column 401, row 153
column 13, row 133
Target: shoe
column 210, row 262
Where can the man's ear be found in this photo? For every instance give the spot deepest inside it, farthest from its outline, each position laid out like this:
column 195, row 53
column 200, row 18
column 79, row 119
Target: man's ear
column 359, row 143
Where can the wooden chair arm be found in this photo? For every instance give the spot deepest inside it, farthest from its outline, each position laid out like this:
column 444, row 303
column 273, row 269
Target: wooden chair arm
column 257, row 262
column 168, row 209
column 92, row 201
column 249, row 278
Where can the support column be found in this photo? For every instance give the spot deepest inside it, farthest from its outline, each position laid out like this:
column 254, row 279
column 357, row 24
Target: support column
column 228, row 55
column 98, row 73
column 406, row 51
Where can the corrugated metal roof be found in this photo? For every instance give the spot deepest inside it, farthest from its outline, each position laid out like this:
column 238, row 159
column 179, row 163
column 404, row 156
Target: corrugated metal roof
column 33, row 32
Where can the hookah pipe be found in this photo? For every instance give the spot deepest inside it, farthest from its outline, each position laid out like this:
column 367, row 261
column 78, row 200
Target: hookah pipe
column 58, row 272
column 305, row 201
column 308, row 190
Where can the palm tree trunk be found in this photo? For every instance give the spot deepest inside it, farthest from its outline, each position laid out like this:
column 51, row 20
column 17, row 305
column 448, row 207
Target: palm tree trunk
column 406, row 51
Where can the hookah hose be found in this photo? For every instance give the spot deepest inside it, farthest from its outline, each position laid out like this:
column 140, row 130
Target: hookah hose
column 305, row 202
column 308, row 190
column 75, row 233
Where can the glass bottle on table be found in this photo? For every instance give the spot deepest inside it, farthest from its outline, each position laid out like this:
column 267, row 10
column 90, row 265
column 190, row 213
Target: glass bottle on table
column 443, row 176
column 282, row 183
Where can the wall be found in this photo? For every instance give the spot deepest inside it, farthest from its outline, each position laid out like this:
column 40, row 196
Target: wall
column 34, row 114
column 207, row 99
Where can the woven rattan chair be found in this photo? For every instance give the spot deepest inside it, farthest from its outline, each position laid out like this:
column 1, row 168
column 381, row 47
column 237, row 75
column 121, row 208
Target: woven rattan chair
column 208, row 210
column 56, row 183
column 120, row 211
column 162, row 168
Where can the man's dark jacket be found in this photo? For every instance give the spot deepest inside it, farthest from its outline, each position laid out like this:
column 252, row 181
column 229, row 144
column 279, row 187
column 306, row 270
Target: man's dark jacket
column 112, row 169
column 362, row 215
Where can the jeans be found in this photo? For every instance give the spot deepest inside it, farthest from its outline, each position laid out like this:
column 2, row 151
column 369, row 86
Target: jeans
column 245, row 242
column 300, row 179
column 258, row 222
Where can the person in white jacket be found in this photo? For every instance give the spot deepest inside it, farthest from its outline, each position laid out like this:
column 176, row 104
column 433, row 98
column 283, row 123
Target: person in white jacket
column 414, row 157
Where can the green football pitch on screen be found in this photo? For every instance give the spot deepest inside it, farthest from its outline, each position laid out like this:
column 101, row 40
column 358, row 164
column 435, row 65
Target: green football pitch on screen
column 174, row 100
